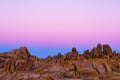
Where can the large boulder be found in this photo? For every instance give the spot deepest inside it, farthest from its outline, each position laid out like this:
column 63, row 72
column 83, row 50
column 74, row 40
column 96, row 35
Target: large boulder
column 74, row 50
column 99, row 67
column 107, row 49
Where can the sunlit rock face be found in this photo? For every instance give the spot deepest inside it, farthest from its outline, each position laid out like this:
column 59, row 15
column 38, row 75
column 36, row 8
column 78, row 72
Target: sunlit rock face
column 100, row 63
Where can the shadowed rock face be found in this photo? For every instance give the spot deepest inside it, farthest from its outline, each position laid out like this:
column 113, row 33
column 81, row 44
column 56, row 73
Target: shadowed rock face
column 100, row 63
column 74, row 50
column 107, row 49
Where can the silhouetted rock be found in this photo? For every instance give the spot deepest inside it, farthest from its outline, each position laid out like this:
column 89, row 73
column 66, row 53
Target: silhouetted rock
column 59, row 55
column 100, row 50
column 107, row 49
column 86, row 54
column 74, row 50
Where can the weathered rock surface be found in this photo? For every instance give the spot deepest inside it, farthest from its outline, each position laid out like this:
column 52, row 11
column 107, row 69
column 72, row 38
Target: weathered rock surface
column 100, row 63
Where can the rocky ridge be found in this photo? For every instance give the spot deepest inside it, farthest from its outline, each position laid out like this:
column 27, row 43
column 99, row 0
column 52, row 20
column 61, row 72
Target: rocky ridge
column 100, row 63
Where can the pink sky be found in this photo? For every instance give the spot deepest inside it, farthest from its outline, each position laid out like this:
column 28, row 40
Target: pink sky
column 59, row 23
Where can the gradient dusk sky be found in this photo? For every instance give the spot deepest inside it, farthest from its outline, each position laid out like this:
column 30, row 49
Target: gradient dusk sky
column 47, row 27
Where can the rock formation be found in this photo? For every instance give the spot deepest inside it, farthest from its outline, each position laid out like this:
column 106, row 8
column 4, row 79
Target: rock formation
column 100, row 63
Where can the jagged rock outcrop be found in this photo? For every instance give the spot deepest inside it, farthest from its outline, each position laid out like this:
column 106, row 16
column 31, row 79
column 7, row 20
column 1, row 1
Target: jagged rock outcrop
column 73, row 55
column 100, row 63
column 74, row 50
column 107, row 49
column 16, row 60
column 21, row 53
column 100, row 52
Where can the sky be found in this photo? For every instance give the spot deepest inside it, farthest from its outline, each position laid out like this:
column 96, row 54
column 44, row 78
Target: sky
column 47, row 27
